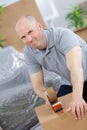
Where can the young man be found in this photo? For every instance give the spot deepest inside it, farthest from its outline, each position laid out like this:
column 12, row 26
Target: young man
column 58, row 50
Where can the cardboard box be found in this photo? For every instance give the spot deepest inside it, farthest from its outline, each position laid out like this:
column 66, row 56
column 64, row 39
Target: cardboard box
column 60, row 120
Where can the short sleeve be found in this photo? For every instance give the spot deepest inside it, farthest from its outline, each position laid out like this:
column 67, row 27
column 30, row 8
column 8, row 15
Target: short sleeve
column 68, row 40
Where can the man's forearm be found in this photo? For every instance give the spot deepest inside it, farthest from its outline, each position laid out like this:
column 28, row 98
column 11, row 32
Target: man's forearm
column 77, row 83
column 41, row 92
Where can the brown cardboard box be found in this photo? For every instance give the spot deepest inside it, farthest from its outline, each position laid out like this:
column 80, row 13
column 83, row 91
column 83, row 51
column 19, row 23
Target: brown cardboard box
column 61, row 120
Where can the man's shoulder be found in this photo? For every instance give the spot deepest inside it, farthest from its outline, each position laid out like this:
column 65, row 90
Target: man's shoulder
column 57, row 29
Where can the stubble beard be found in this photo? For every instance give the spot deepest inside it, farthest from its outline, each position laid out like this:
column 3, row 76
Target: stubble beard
column 40, row 45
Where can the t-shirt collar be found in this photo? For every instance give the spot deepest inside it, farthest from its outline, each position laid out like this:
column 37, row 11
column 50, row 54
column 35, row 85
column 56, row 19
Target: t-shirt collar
column 49, row 40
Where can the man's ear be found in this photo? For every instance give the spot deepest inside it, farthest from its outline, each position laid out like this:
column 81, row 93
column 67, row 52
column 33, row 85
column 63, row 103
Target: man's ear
column 40, row 26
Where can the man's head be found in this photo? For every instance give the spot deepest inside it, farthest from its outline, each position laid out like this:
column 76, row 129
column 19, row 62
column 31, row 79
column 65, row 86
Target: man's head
column 31, row 32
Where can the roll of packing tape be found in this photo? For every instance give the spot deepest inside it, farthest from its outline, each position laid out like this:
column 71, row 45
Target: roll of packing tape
column 51, row 94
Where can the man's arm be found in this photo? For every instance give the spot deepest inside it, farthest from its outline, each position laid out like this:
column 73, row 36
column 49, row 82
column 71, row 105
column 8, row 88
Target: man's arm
column 78, row 106
column 37, row 80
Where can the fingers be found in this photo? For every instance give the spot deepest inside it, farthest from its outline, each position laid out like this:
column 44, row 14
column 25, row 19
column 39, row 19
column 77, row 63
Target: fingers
column 78, row 111
column 85, row 107
column 68, row 110
column 72, row 111
column 47, row 102
column 82, row 110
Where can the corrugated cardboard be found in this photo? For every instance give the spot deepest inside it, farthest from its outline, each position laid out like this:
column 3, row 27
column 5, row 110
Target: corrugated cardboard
column 61, row 120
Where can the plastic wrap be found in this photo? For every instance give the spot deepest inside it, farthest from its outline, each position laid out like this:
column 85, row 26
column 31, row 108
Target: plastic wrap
column 10, row 63
column 17, row 97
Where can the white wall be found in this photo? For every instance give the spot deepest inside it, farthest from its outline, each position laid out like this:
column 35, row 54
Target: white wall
column 62, row 6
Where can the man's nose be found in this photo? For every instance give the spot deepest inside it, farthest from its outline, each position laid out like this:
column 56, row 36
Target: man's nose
column 28, row 38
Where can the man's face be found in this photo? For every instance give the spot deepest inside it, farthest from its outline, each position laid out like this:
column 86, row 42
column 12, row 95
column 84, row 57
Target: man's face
column 30, row 33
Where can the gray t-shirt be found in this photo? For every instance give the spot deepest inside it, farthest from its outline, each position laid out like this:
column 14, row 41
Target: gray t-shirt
column 59, row 42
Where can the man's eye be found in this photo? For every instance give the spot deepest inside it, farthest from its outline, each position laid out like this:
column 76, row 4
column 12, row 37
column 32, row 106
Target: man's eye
column 23, row 37
column 30, row 32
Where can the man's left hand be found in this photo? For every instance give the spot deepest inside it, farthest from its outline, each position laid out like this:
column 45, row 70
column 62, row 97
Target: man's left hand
column 78, row 108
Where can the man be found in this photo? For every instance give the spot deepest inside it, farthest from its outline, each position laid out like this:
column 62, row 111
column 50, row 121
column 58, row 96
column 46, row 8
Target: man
column 58, row 50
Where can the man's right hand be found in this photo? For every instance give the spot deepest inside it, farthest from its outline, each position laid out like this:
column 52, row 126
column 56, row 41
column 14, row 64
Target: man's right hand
column 46, row 99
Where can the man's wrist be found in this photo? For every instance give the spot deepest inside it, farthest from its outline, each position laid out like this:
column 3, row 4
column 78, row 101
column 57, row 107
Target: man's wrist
column 42, row 93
